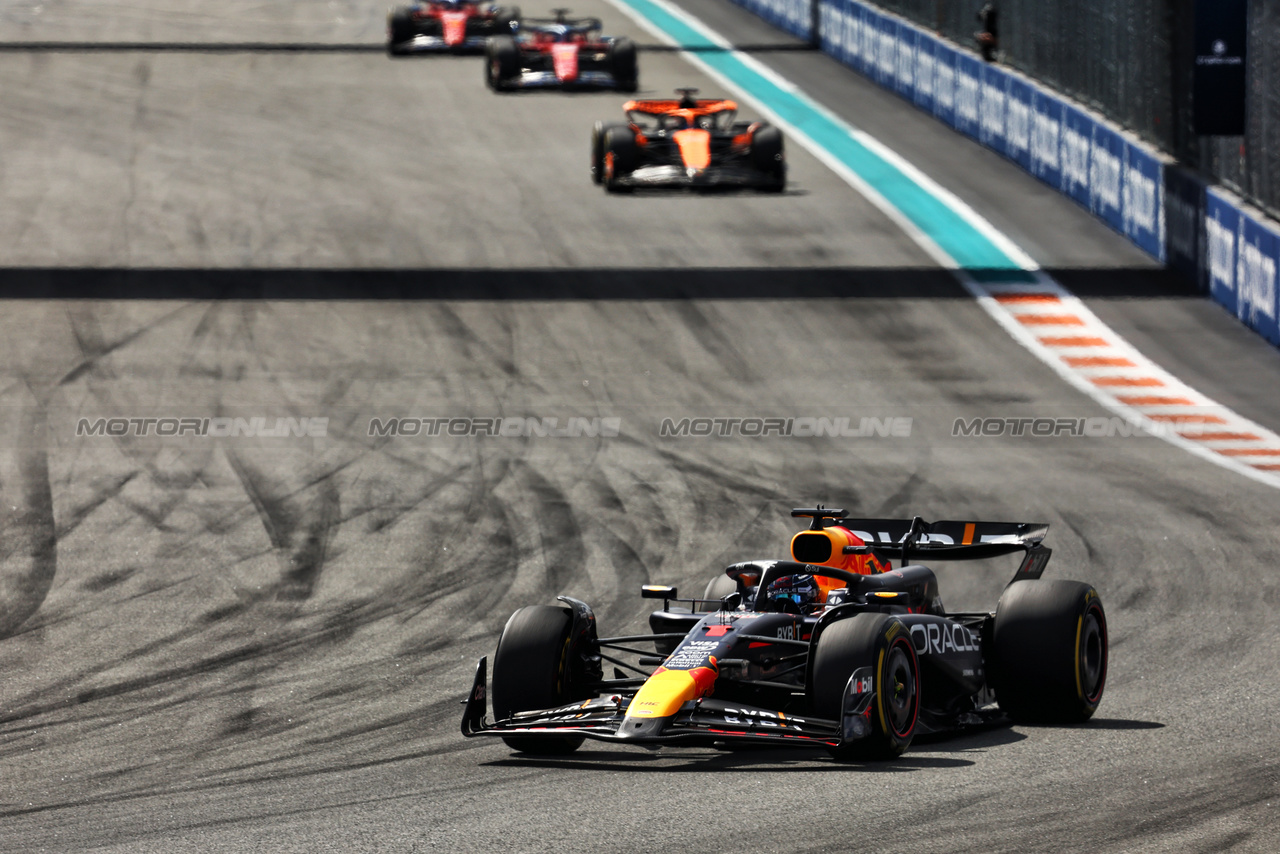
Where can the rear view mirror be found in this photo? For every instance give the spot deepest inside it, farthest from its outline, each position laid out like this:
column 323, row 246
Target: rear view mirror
column 657, row 591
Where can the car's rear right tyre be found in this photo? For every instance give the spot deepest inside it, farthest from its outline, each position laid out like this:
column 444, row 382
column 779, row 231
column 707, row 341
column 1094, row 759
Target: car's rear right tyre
column 531, row 671
column 719, row 587
column 882, row 643
column 501, row 62
column 1049, row 651
column 768, row 157
column 623, row 64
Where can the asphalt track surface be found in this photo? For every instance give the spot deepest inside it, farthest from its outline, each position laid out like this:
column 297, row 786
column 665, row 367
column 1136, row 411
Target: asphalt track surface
column 260, row 644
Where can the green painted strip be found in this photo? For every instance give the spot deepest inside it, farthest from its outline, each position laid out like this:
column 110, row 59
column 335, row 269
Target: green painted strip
column 967, row 246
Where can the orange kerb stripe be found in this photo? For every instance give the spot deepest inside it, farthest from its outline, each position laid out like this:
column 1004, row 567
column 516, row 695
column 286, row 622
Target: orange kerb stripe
column 1141, row 400
column 1098, row 362
column 1223, row 437
column 1049, row 320
column 1072, row 341
column 1267, row 466
column 1025, row 298
column 1249, row 452
column 1112, row 382
column 1189, row 419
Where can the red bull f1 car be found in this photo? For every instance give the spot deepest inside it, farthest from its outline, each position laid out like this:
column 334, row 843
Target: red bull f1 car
column 447, row 25
column 689, row 142
column 831, row 649
column 560, row 52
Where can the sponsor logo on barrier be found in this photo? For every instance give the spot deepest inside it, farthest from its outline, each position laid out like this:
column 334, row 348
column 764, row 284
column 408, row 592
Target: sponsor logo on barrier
column 852, row 37
column 966, row 97
column 1256, row 274
column 992, row 112
column 1222, row 253
column 1075, row 159
column 906, row 65
column 886, row 53
column 1104, row 177
column 1139, row 200
column 944, row 96
column 924, row 73
column 1044, row 141
column 1018, row 127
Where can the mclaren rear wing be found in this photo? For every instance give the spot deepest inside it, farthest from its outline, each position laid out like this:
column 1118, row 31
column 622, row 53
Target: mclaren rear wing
column 947, row 540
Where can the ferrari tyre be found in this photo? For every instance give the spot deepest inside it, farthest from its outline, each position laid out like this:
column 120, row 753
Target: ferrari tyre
column 623, row 65
column 531, row 671
column 883, row 643
column 619, row 158
column 597, row 149
column 400, row 29
column 501, row 62
column 1049, row 651
column 768, row 157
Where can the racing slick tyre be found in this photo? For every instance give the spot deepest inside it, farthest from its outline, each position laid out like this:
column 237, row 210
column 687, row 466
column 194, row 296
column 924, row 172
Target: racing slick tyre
column 884, row 644
column 719, row 587
column 501, row 62
column 530, row 671
column 400, row 29
column 619, row 158
column 1049, row 651
column 597, row 148
column 767, row 156
column 622, row 64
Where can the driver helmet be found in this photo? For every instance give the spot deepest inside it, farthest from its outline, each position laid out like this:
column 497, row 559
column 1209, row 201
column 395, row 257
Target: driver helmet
column 795, row 593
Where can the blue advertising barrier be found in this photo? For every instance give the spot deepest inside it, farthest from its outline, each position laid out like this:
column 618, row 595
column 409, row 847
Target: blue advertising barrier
column 1257, row 257
column 1167, row 212
column 1142, row 203
column 1222, row 226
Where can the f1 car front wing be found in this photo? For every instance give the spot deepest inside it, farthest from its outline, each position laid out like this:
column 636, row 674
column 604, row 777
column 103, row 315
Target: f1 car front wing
column 433, row 44
column 699, row 722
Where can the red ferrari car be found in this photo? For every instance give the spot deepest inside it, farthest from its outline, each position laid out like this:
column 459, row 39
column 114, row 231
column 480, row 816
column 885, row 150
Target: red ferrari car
column 560, row 52
column 446, row 25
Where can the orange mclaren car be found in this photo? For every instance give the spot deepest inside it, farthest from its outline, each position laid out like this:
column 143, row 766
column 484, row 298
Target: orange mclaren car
column 687, row 142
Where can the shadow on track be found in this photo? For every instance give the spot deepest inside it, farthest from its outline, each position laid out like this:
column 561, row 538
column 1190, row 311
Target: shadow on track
column 551, row 284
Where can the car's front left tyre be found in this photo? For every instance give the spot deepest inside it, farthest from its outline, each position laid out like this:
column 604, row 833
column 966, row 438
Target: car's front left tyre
column 768, row 157
column 531, row 672
column 883, row 644
column 501, row 62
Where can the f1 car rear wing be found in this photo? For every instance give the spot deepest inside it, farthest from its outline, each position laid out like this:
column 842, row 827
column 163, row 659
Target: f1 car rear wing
column 945, row 540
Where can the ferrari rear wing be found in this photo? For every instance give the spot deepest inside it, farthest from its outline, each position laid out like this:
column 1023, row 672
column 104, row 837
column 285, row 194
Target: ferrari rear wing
column 945, row 540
